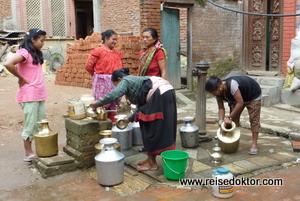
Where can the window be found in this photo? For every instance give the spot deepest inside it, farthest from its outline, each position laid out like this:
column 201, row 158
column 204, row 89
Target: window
column 49, row 15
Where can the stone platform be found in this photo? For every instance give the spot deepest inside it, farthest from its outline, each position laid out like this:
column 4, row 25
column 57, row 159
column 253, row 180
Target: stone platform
column 55, row 165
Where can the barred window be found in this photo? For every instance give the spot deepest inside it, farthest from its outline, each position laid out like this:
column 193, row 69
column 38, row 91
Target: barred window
column 49, row 15
column 58, row 10
column 34, row 14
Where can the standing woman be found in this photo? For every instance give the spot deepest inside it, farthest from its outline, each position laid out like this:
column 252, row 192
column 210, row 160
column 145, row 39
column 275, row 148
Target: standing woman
column 154, row 57
column 101, row 63
column 239, row 92
column 157, row 112
column 32, row 91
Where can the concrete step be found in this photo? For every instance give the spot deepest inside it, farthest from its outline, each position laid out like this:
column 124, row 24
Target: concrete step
column 290, row 98
column 271, row 95
column 270, row 81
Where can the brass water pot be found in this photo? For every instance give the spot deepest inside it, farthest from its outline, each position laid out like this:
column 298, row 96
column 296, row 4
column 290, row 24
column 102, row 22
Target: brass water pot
column 46, row 140
column 100, row 114
column 106, row 134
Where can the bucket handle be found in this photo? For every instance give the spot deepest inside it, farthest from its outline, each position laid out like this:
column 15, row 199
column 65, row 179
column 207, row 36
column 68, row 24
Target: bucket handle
column 187, row 167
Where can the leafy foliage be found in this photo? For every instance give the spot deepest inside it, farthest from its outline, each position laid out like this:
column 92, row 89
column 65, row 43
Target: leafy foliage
column 201, row 2
column 223, row 67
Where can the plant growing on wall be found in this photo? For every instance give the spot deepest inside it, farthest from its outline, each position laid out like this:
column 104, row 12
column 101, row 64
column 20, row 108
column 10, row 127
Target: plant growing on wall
column 223, row 67
column 201, row 2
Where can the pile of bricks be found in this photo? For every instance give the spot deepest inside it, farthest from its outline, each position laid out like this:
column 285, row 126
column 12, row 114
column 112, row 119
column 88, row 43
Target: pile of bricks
column 73, row 73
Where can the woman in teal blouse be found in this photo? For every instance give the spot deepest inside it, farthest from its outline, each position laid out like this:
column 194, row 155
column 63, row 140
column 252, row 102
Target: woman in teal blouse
column 157, row 111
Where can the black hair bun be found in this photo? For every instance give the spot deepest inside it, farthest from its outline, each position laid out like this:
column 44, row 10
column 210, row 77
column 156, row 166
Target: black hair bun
column 126, row 70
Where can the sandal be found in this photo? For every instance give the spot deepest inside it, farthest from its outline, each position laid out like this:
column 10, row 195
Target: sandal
column 252, row 151
column 29, row 158
column 142, row 149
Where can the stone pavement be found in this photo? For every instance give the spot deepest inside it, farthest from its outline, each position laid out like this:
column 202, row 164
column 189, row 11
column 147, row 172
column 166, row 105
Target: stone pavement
column 276, row 159
column 275, row 153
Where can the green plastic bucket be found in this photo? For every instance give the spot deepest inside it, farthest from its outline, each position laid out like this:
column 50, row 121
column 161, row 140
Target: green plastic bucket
column 175, row 164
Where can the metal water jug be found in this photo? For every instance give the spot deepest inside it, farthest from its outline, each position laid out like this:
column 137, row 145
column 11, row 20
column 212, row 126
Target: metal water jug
column 124, row 136
column 189, row 133
column 46, row 140
column 136, row 134
column 136, row 130
column 109, row 164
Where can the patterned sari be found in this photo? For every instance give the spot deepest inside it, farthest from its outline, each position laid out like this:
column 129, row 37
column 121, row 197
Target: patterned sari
column 147, row 57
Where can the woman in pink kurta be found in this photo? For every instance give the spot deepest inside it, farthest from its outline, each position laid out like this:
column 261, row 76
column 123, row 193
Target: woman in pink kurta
column 32, row 91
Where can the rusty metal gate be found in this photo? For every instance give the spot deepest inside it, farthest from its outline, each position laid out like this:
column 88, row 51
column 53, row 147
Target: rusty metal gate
column 262, row 36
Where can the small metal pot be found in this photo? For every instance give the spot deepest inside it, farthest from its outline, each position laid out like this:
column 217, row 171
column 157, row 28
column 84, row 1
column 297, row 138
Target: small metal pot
column 101, row 114
column 121, row 124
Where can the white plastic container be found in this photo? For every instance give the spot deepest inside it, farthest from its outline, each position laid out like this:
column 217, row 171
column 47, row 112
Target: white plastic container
column 76, row 109
column 222, row 191
column 87, row 99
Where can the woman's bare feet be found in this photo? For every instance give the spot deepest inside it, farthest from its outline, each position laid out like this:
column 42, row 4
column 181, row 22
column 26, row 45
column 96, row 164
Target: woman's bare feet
column 146, row 167
column 148, row 164
column 143, row 162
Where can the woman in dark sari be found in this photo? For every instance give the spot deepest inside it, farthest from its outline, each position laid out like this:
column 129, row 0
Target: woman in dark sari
column 157, row 112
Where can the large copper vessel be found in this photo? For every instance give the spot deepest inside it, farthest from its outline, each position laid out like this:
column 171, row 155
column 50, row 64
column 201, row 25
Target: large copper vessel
column 46, row 140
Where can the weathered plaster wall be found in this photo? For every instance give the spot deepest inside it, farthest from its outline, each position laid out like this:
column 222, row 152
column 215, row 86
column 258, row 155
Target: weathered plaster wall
column 5, row 14
column 5, row 8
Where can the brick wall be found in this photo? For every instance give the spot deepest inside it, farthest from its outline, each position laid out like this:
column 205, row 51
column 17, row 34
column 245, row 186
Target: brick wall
column 73, row 73
column 216, row 32
column 120, row 15
column 183, row 29
column 289, row 27
column 150, row 15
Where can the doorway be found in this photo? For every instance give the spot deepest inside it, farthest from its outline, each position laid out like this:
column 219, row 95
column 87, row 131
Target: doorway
column 176, row 37
column 84, row 18
column 262, row 36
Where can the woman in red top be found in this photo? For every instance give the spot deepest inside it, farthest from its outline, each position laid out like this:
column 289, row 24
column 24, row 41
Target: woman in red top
column 153, row 58
column 101, row 63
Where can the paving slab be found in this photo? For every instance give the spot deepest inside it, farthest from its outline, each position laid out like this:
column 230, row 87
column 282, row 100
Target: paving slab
column 233, row 168
column 247, row 165
column 283, row 156
column 264, row 161
column 198, row 166
column 132, row 184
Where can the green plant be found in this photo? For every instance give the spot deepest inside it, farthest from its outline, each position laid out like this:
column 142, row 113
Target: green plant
column 201, row 2
column 222, row 67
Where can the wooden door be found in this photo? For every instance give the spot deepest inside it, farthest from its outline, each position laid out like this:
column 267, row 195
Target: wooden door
column 262, row 36
column 171, row 41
